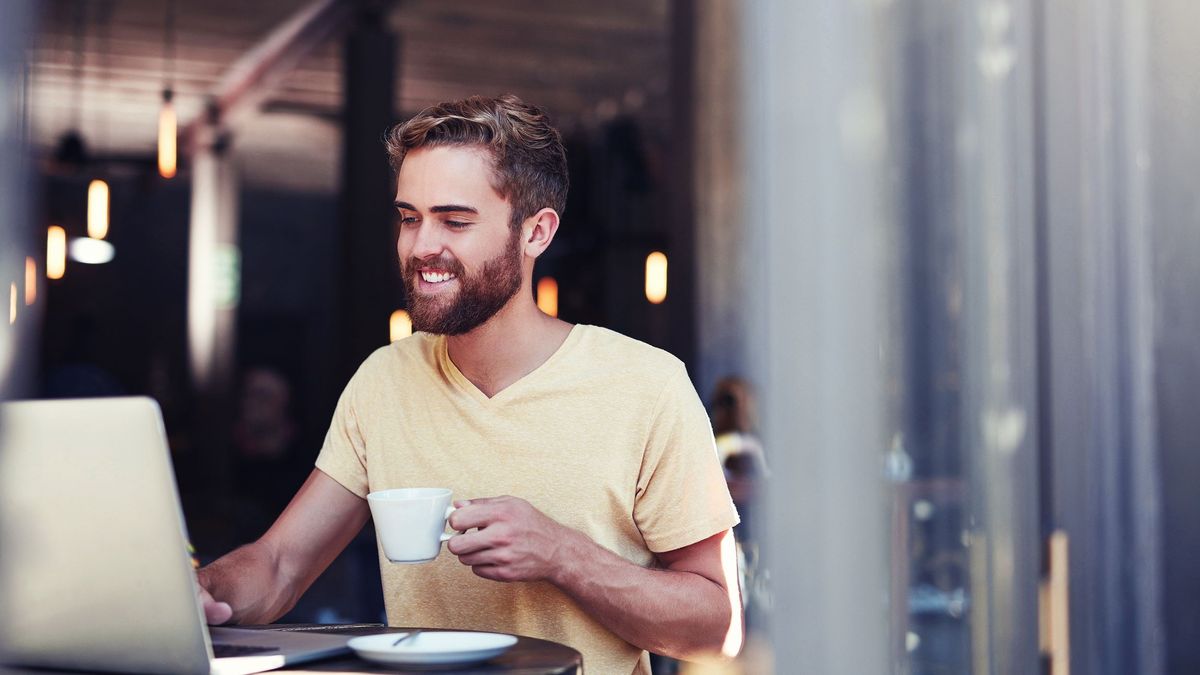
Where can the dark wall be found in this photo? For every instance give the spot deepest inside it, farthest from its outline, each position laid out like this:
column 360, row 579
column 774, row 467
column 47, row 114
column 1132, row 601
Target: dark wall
column 121, row 328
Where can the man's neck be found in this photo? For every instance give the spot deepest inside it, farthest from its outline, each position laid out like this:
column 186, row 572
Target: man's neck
column 507, row 347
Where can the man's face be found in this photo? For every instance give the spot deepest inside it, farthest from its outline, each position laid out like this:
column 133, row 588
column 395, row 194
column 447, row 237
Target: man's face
column 460, row 260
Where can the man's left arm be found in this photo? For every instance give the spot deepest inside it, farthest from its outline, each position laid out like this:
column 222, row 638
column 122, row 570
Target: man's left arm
column 690, row 608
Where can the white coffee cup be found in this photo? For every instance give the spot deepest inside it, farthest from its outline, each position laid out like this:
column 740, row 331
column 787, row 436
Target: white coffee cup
column 411, row 522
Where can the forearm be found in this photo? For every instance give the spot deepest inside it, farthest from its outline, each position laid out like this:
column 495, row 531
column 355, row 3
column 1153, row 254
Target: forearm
column 673, row 613
column 263, row 580
column 250, row 579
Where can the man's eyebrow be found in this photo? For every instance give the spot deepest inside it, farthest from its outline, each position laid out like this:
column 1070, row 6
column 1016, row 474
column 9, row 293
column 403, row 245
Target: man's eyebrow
column 444, row 208
column 453, row 208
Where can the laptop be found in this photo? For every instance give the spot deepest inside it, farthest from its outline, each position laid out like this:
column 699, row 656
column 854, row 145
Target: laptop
column 94, row 568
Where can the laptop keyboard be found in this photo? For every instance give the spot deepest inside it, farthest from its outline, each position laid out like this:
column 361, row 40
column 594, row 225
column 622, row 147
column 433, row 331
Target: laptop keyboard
column 222, row 651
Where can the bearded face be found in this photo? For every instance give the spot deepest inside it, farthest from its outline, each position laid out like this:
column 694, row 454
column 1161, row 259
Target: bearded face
column 478, row 297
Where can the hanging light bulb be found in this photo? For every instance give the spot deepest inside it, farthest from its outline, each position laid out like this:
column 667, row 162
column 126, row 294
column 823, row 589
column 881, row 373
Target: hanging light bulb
column 547, row 296
column 166, row 136
column 167, row 122
column 97, row 210
column 30, row 281
column 91, row 251
column 56, row 252
column 400, row 325
column 656, row 277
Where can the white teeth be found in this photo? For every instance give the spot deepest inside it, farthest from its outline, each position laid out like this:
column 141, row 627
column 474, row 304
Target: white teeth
column 434, row 277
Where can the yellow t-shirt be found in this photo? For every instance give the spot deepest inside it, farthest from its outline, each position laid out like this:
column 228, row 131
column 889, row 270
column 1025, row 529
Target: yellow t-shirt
column 607, row 436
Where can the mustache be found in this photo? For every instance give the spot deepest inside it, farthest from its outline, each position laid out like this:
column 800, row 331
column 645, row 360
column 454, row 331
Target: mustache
column 451, row 265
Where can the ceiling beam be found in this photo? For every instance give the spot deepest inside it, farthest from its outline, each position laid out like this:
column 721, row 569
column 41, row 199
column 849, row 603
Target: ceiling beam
column 256, row 74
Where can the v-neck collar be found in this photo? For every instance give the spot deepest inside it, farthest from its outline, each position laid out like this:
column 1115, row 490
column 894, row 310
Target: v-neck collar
column 460, row 381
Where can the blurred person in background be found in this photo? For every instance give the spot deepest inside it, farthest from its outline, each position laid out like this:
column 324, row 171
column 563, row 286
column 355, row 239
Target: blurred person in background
column 735, row 425
column 734, row 418
column 592, row 509
column 264, row 434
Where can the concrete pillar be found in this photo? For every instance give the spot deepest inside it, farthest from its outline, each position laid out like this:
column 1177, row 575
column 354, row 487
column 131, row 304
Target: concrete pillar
column 214, row 283
column 18, row 324
column 815, row 206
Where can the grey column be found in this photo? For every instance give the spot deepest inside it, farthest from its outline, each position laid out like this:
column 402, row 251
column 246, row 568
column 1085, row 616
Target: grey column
column 815, row 201
column 214, row 270
column 1098, row 382
column 17, row 339
column 1171, row 615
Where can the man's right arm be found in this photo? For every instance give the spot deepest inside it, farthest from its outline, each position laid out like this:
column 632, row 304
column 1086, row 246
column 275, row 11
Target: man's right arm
column 261, row 581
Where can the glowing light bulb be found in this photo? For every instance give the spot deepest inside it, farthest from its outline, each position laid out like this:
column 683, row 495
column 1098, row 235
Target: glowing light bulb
column 91, row 251
column 400, row 324
column 547, row 296
column 30, row 281
column 56, row 252
column 656, row 277
column 97, row 210
column 166, row 137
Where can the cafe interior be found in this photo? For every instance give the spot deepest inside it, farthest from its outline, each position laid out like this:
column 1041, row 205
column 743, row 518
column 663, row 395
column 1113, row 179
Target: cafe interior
column 933, row 269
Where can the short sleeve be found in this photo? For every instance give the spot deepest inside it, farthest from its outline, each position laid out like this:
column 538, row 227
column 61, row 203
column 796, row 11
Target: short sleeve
column 343, row 457
column 681, row 494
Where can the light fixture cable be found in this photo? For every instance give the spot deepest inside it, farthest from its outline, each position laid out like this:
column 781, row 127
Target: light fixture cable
column 167, row 121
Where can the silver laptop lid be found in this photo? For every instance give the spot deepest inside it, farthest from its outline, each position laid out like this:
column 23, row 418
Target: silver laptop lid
column 93, row 561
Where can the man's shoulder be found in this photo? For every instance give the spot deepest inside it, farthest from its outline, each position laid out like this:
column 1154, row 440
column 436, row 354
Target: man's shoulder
column 609, row 349
column 415, row 350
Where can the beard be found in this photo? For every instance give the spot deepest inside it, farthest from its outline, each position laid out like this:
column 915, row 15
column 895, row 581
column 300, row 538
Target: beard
column 479, row 295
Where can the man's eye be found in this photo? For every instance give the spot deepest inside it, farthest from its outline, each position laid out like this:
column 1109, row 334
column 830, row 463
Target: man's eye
column 407, row 220
column 457, row 224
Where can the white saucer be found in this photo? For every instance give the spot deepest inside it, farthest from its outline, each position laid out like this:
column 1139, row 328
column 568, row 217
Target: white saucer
column 432, row 647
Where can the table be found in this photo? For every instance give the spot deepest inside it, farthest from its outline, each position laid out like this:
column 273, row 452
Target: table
column 529, row 656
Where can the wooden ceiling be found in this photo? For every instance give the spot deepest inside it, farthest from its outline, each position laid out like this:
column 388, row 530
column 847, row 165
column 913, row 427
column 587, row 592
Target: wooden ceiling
column 100, row 66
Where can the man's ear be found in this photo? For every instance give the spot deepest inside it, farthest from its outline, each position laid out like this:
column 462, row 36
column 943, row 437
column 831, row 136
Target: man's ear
column 539, row 231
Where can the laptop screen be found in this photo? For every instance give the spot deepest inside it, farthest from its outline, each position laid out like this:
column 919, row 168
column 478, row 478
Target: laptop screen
column 93, row 559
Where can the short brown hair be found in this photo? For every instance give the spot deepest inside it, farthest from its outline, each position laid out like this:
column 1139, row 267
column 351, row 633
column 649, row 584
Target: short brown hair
column 529, row 164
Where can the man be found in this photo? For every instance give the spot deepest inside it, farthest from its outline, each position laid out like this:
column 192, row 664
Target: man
column 592, row 508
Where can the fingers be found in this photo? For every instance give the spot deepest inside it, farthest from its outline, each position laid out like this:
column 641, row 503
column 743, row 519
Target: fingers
column 485, row 557
column 471, row 542
column 494, row 573
column 477, row 513
column 217, row 613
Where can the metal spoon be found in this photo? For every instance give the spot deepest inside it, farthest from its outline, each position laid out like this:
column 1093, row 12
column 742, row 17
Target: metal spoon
column 409, row 635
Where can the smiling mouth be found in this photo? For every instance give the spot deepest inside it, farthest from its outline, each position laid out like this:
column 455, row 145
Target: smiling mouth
column 437, row 277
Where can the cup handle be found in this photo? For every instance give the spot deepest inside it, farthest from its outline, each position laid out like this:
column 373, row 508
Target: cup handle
column 446, row 535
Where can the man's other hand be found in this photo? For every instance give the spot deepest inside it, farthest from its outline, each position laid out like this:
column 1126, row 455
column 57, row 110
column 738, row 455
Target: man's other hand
column 511, row 541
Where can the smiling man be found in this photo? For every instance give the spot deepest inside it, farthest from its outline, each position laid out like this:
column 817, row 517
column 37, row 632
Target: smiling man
column 592, row 508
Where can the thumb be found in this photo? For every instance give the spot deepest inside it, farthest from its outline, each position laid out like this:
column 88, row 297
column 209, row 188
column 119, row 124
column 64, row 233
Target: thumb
column 215, row 613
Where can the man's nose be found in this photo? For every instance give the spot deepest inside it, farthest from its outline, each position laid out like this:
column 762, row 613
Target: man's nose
column 426, row 242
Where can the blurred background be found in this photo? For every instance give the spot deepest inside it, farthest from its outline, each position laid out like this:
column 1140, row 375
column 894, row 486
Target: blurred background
column 934, row 266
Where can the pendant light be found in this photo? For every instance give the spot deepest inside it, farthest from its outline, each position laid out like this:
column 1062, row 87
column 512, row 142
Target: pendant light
column 167, row 122
column 547, row 296
column 400, row 325
column 56, row 252
column 97, row 194
column 656, row 277
column 97, row 209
